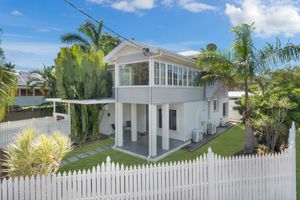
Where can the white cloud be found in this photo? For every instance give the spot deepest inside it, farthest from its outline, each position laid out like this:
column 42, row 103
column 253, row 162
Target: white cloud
column 271, row 17
column 138, row 5
column 98, row 1
column 195, row 6
column 133, row 5
column 31, row 55
column 16, row 13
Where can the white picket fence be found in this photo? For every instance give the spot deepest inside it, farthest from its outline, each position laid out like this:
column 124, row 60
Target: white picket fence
column 47, row 125
column 209, row 177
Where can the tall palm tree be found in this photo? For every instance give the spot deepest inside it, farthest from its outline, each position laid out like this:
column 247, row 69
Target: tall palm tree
column 242, row 63
column 90, row 37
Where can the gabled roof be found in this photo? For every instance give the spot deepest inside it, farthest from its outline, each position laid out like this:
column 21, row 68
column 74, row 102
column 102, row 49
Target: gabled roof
column 24, row 76
column 152, row 49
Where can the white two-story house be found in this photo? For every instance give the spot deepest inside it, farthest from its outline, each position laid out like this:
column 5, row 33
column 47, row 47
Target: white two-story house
column 158, row 102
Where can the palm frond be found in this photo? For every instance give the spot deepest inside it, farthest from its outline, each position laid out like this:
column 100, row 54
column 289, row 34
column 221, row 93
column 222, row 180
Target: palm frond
column 73, row 38
column 217, row 67
column 274, row 54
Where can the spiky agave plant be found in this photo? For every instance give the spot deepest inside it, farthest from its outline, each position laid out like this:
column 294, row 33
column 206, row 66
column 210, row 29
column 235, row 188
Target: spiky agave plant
column 32, row 154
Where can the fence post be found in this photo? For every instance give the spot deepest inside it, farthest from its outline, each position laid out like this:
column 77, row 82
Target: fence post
column 211, row 174
column 292, row 158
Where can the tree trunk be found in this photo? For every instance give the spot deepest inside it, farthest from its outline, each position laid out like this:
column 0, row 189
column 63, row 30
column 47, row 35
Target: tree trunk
column 249, row 137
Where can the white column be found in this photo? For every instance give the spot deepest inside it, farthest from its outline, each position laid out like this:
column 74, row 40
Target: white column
column 133, row 122
column 152, row 130
column 165, row 127
column 119, row 124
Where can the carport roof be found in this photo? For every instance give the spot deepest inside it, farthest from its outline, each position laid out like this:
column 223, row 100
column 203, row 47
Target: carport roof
column 82, row 102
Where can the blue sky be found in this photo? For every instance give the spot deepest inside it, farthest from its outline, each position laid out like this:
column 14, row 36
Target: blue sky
column 32, row 28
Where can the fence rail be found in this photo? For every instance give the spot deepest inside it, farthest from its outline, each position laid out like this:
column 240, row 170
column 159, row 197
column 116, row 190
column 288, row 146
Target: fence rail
column 9, row 130
column 209, row 177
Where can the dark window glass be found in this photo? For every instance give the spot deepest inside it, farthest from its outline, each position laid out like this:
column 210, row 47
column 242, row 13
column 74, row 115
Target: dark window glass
column 172, row 119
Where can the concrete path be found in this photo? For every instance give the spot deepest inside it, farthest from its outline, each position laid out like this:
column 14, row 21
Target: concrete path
column 79, row 156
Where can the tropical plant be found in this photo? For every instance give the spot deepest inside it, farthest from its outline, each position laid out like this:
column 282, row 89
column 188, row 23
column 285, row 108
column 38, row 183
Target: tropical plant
column 32, row 154
column 243, row 63
column 82, row 75
column 90, row 37
column 270, row 127
column 48, row 81
column 9, row 66
column 8, row 85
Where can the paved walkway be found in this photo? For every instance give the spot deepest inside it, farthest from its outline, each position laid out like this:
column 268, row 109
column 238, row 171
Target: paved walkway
column 79, row 156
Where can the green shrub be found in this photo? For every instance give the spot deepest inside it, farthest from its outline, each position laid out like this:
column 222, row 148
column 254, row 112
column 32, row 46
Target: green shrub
column 32, row 154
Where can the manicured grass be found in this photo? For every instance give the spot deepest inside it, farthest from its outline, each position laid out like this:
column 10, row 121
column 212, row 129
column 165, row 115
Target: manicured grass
column 226, row 144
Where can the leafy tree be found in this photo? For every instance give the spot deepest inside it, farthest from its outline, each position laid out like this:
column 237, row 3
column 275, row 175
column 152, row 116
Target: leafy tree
column 90, row 37
column 243, row 63
column 9, row 66
column 33, row 154
column 269, row 123
column 49, row 80
column 82, row 75
column 8, row 85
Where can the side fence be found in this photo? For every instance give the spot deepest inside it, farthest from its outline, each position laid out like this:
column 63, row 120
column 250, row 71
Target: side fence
column 9, row 130
column 209, row 177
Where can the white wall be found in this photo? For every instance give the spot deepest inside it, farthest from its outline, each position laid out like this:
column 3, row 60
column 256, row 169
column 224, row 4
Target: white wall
column 233, row 115
column 217, row 115
column 179, row 133
column 108, row 119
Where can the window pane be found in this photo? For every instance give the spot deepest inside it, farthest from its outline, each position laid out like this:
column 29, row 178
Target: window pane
column 190, row 78
column 134, row 74
column 156, row 73
column 159, row 118
column 169, row 74
column 172, row 120
column 184, row 77
column 175, row 75
column 180, row 76
column 162, row 74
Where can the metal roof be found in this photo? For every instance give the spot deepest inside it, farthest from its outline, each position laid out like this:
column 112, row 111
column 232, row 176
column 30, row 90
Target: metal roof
column 82, row 102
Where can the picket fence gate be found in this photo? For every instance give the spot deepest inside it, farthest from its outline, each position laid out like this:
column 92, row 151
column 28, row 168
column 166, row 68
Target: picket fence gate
column 209, row 177
column 47, row 125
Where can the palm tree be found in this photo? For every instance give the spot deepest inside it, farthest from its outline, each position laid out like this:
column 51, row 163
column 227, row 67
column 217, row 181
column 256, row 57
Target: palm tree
column 90, row 37
column 9, row 66
column 242, row 63
column 8, row 86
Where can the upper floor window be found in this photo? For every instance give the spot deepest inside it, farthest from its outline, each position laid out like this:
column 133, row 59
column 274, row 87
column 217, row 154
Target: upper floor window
column 190, row 78
column 134, row 74
column 184, row 77
column 170, row 74
column 156, row 73
column 175, row 75
column 162, row 74
column 180, row 76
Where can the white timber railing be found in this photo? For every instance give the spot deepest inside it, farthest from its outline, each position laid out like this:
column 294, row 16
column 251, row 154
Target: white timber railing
column 46, row 125
column 209, row 177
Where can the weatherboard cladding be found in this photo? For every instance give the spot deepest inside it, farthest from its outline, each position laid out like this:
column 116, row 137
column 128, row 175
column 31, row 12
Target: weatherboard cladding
column 158, row 95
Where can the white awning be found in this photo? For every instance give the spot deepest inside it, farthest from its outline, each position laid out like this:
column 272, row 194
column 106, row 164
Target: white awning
column 82, row 102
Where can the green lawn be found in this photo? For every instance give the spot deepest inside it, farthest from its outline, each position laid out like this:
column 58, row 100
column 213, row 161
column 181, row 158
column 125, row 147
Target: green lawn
column 226, row 144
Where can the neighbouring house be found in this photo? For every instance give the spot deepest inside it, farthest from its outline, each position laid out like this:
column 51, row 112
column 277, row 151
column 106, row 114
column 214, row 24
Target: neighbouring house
column 157, row 102
column 29, row 91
